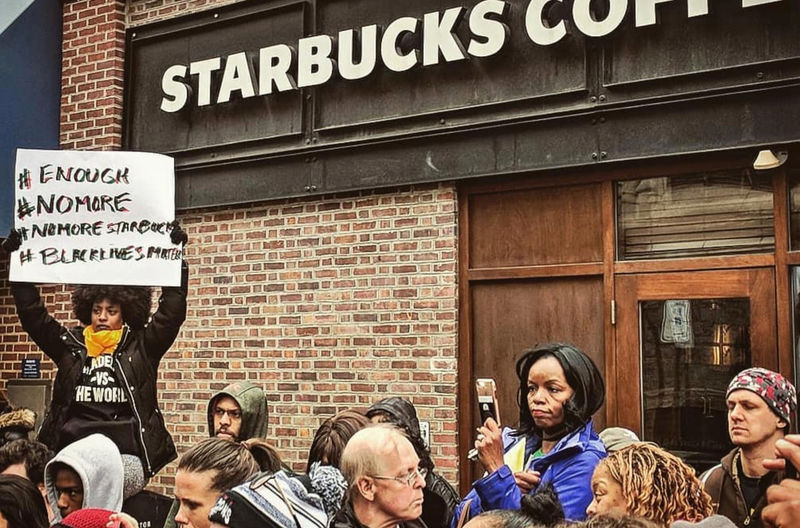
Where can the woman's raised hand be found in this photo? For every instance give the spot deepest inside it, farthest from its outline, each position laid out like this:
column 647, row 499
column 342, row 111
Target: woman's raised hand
column 489, row 444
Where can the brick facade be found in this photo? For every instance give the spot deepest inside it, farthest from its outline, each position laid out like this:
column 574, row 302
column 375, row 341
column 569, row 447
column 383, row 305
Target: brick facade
column 328, row 303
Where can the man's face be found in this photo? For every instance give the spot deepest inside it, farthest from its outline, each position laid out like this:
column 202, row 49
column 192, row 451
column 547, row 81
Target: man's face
column 69, row 491
column 400, row 501
column 106, row 316
column 750, row 420
column 195, row 495
column 227, row 418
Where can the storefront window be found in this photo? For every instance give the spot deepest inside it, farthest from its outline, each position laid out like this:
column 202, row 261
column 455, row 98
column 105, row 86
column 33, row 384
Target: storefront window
column 794, row 210
column 796, row 319
column 690, row 350
column 696, row 215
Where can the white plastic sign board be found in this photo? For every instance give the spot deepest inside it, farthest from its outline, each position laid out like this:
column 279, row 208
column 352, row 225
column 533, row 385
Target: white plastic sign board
column 95, row 217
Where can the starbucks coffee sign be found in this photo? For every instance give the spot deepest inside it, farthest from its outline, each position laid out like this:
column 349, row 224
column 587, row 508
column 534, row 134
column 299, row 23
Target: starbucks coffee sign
column 399, row 46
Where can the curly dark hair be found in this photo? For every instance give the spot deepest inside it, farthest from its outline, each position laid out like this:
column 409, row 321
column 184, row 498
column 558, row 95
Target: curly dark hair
column 133, row 300
column 34, row 455
column 21, row 503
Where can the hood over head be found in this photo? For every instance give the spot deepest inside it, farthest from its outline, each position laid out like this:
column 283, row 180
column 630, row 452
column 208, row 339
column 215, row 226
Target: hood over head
column 98, row 463
column 400, row 410
column 253, row 402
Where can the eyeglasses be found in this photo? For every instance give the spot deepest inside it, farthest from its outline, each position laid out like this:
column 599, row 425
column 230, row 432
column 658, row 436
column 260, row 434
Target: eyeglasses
column 408, row 480
column 232, row 413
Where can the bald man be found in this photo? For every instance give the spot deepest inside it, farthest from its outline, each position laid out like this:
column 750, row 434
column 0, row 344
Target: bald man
column 384, row 478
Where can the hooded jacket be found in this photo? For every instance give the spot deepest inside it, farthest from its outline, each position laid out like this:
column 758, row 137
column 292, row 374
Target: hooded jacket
column 440, row 499
column 255, row 419
column 568, row 467
column 722, row 483
column 253, row 403
column 98, row 463
column 136, row 360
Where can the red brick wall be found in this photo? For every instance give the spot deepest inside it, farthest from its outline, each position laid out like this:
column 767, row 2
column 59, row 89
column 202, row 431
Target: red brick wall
column 328, row 303
column 93, row 65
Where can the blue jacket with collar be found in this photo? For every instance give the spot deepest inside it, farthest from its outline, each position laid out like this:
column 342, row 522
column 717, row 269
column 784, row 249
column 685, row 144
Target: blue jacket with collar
column 568, row 466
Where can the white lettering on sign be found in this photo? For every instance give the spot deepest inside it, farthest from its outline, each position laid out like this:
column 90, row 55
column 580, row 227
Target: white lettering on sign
column 538, row 32
column 391, row 53
column 367, row 37
column 439, row 36
column 176, row 92
column 492, row 33
column 403, row 44
column 314, row 64
column 584, row 18
column 237, row 77
column 203, row 70
column 273, row 66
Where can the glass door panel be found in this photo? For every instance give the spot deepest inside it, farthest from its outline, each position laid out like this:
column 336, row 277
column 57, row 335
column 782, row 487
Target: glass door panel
column 680, row 338
column 690, row 350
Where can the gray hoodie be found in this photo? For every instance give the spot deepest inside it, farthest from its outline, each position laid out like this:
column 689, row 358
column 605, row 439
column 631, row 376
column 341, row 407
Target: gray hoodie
column 98, row 463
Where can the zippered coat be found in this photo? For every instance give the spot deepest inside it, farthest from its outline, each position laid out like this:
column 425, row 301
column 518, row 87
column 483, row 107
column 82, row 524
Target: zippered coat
column 568, row 467
column 722, row 483
column 136, row 360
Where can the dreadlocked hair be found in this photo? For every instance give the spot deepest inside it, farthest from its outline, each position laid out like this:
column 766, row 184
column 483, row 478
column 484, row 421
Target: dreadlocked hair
column 134, row 301
column 657, row 485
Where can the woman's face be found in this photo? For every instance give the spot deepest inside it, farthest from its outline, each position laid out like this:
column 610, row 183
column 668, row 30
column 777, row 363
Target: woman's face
column 106, row 315
column 607, row 498
column 548, row 391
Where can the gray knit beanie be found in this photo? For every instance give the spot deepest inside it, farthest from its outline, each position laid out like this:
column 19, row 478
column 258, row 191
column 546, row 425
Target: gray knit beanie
column 715, row 521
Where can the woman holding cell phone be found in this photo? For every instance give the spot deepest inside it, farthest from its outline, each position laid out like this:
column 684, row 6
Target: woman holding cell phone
column 560, row 388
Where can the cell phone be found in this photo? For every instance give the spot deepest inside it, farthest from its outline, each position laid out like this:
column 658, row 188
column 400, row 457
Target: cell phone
column 790, row 471
column 486, row 389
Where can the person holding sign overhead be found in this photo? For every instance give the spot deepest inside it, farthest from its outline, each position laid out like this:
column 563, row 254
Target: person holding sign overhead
column 107, row 369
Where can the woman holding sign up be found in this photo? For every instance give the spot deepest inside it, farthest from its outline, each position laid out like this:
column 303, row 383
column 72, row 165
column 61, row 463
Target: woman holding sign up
column 559, row 390
column 107, row 369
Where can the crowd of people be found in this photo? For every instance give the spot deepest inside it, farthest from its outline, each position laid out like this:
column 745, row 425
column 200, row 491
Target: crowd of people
column 104, row 437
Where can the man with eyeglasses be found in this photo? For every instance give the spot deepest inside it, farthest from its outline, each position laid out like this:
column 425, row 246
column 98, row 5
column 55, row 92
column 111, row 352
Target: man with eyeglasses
column 384, row 478
column 238, row 412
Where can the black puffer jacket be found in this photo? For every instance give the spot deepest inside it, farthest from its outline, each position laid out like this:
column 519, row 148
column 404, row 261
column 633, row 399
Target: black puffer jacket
column 346, row 518
column 136, row 362
column 440, row 497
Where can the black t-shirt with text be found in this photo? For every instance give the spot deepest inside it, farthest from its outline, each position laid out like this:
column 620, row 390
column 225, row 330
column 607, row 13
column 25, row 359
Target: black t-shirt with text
column 101, row 406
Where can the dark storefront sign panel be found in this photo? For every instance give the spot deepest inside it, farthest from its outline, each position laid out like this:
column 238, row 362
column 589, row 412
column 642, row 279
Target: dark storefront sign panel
column 726, row 80
column 29, row 97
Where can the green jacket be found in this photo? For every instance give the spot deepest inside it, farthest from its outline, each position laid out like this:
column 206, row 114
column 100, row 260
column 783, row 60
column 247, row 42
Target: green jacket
column 255, row 418
column 252, row 401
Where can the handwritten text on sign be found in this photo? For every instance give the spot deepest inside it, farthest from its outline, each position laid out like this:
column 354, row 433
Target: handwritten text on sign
column 95, row 218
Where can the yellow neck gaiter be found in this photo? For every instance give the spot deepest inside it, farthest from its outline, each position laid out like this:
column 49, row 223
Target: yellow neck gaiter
column 102, row 342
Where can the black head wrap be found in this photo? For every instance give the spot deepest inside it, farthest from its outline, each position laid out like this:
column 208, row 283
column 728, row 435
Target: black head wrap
column 402, row 413
column 582, row 376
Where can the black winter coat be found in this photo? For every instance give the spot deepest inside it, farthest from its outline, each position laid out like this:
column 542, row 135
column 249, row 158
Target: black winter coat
column 136, row 362
column 346, row 518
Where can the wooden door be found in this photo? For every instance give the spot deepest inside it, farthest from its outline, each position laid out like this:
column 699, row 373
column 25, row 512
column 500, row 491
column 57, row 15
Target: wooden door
column 681, row 337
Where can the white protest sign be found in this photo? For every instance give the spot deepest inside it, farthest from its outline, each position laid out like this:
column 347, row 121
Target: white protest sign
column 95, row 217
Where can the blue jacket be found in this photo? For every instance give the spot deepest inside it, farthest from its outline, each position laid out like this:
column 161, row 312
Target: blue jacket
column 568, row 466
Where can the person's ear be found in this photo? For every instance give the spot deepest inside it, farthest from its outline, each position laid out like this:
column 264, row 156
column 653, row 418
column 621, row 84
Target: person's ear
column 366, row 487
column 781, row 424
